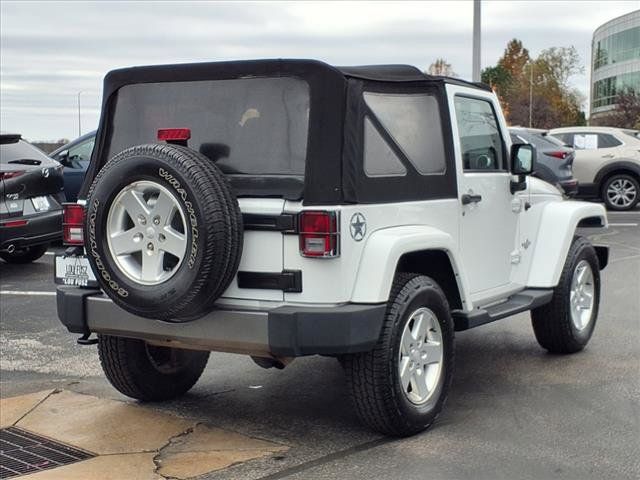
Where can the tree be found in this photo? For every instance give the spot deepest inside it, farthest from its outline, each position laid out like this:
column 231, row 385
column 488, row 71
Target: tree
column 537, row 88
column 514, row 59
column 441, row 67
column 627, row 111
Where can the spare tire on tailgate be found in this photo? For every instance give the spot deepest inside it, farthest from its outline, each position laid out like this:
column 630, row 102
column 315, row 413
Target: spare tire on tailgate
column 163, row 231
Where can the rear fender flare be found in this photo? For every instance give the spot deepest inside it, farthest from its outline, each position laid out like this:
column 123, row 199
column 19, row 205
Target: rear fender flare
column 383, row 250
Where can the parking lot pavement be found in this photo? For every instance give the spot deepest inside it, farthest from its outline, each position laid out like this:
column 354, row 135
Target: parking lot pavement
column 514, row 411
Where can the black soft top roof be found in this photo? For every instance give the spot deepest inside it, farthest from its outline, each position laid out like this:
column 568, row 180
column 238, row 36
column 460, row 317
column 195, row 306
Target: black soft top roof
column 256, row 68
column 334, row 147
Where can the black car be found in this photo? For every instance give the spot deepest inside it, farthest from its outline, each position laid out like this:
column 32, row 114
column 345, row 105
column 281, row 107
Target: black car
column 30, row 200
column 74, row 157
column 554, row 162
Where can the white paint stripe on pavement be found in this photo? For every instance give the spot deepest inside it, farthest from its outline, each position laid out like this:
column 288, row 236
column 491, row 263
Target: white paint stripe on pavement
column 623, row 224
column 49, row 253
column 16, row 292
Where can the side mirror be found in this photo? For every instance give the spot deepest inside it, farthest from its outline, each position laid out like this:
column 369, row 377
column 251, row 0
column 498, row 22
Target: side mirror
column 523, row 157
column 63, row 157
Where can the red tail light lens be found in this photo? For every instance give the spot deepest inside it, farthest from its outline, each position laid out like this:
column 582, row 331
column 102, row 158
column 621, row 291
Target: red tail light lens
column 319, row 234
column 72, row 222
column 174, row 134
column 8, row 175
column 559, row 155
column 14, row 223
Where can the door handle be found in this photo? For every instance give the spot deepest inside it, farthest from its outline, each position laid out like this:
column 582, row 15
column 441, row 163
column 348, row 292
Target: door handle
column 469, row 198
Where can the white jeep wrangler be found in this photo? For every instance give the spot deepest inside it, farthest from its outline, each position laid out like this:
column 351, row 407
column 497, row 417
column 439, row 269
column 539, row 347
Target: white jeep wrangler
column 287, row 207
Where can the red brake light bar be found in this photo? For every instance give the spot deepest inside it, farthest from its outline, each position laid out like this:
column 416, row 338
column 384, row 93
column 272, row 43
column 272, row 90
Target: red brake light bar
column 72, row 223
column 13, row 223
column 560, row 155
column 174, row 134
column 319, row 234
column 8, row 175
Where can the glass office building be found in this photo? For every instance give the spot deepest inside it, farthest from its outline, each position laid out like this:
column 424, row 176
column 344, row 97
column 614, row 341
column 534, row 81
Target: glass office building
column 615, row 63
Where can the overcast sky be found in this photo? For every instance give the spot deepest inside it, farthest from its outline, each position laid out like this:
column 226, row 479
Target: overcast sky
column 49, row 51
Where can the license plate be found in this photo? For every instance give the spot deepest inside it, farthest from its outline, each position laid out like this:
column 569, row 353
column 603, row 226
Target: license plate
column 40, row 203
column 74, row 270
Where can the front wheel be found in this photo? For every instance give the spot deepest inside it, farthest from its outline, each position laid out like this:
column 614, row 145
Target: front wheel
column 400, row 387
column 566, row 324
column 621, row 192
column 148, row 372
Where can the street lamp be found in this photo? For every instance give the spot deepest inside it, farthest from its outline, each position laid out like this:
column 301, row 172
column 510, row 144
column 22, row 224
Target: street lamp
column 475, row 75
column 79, row 120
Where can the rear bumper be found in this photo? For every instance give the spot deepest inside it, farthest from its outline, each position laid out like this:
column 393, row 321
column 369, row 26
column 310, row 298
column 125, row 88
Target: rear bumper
column 570, row 187
column 286, row 331
column 39, row 229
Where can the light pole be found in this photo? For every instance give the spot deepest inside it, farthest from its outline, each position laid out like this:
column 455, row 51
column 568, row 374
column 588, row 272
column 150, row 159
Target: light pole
column 530, row 92
column 476, row 41
column 79, row 120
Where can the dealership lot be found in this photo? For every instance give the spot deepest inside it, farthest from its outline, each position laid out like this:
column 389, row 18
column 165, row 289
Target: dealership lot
column 514, row 410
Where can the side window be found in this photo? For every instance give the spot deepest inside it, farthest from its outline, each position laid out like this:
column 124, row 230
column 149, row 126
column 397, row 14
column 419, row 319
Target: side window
column 81, row 152
column 379, row 158
column 607, row 141
column 413, row 122
column 481, row 144
column 585, row 141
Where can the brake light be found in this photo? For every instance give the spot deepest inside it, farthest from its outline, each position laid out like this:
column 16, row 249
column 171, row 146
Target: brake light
column 13, row 223
column 174, row 134
column 8, row 175
column 72, row 222
column 319, row 234
column 559, row 155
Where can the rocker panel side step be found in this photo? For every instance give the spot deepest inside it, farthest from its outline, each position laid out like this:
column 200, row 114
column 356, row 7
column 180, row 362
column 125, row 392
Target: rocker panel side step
column 520, row 302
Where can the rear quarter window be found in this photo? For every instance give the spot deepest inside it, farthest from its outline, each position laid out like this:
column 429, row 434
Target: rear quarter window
column 413, row 121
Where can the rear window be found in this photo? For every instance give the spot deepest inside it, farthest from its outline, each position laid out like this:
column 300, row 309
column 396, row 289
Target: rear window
column 20, row 150
column 254, row 126
column 539, row 140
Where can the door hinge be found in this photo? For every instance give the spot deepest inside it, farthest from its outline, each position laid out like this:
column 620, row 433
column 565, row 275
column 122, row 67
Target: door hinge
column 516, row 205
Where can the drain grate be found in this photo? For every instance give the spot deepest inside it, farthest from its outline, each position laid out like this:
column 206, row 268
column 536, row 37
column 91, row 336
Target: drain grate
column 23, row 452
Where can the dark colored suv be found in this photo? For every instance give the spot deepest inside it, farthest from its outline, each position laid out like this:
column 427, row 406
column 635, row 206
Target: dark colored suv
column 30, row 200
column 554, row 163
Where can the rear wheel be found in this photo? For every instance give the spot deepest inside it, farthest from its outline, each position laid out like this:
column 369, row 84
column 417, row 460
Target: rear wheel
column 24, row 255
column 400, row 387
column 566, row 324
column 621, row 192
column 148, row 372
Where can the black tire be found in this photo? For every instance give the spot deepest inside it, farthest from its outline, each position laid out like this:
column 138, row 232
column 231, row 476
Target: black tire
column 214, row 233
column 149, row 373
column 620, row 177
column 552, row 323
column 373, row 377
column 24, row 255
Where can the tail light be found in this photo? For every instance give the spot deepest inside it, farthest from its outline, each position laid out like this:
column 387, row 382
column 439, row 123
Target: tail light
column 319, row 234
column 72, row 223
column 177, row 136
column 8, row 175
column 559, row 155
column 13, row 223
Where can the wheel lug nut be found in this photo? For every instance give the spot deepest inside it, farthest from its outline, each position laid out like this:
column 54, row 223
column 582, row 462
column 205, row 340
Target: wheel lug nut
column 161, row 237
column 150, row 246
column 142, row 220
column 137, row 237
column 156, row 220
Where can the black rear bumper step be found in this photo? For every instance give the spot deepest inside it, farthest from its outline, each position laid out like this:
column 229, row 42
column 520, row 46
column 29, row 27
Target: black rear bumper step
column 520, row 302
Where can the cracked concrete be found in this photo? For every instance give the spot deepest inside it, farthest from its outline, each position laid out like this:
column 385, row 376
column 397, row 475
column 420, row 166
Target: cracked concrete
column 130, row 441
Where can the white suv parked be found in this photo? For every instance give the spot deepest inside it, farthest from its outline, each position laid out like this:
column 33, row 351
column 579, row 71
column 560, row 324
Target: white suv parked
column 287, row 208
column 606, row 165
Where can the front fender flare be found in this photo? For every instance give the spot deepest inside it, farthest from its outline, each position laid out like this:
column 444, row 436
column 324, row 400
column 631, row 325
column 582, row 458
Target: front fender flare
column 383, row 250
column 556, row 230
